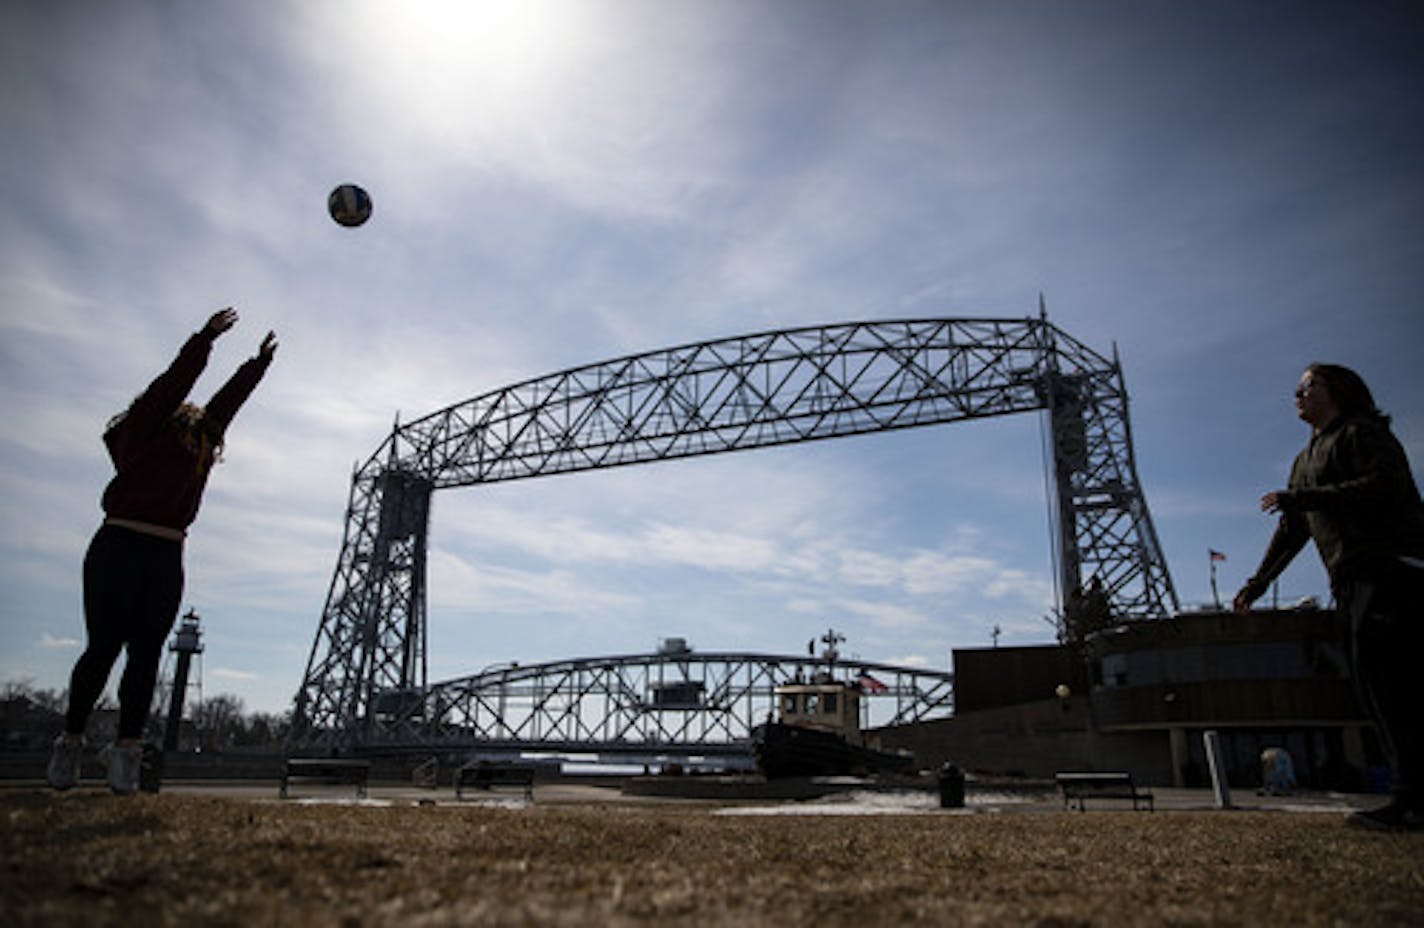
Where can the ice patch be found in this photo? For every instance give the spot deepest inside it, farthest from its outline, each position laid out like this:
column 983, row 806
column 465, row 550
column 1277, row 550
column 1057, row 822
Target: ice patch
column 482, row 803
column 494, row 803
column 1301, row 807
column 878, row 803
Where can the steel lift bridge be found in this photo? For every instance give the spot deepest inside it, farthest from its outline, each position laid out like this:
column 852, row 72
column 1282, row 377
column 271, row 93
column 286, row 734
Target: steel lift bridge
column 366, row 688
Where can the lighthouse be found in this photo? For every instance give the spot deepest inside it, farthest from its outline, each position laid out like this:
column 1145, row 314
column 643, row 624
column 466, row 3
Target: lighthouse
column 186, row 643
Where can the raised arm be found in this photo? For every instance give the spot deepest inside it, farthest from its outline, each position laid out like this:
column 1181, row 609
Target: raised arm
column 151, row 408
column 231, row 395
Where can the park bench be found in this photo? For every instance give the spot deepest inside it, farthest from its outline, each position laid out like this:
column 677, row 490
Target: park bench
column 486, row 774
column 329, row 770
column 1080, row 787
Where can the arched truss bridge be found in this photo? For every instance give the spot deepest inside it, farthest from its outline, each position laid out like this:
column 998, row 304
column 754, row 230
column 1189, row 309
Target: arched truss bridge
column 367, row 668
column 676, row 704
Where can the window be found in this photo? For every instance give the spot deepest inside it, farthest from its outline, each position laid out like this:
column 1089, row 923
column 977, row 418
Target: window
column 1115, row 670
column 1194, row 664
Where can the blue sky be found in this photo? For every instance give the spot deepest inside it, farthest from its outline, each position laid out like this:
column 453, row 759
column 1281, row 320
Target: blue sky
column 1225, row 191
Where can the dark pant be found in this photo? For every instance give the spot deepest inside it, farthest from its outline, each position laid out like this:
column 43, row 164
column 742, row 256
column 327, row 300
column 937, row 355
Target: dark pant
column 133, row 585
column 1386, row 627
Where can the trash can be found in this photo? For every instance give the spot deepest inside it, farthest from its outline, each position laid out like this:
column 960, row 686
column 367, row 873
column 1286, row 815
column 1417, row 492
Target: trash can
column 951, row 787
column 150, row 769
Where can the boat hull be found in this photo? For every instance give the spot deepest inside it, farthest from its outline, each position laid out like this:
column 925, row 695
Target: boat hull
column 794, row 751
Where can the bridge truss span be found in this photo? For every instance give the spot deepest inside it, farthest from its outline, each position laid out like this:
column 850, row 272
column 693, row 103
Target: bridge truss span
column 752, row 391
column 748, row 392
column 680, row 705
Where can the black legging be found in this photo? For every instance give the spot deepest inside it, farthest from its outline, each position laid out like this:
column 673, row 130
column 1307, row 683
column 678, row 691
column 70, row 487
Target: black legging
column 1386, row 626
column 133, row 585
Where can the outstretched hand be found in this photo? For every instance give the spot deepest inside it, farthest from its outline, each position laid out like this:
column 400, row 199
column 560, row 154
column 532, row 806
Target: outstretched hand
column 221, row 321
column 268, row 346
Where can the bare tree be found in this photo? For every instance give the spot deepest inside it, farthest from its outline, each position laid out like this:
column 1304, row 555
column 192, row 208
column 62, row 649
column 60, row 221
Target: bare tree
column 219, row 721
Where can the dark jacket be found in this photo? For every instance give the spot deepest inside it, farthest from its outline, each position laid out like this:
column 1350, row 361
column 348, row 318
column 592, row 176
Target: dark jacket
column 1352, row 492
column 160, row 477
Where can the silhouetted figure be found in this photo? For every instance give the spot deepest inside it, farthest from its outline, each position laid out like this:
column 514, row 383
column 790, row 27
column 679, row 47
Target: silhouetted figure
column 163, row 448
column 1277, row 772
column 1351, row 491
column 1087, row 612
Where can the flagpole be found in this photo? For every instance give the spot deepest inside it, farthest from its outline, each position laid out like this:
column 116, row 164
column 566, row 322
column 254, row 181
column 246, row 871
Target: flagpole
column 1212, row 557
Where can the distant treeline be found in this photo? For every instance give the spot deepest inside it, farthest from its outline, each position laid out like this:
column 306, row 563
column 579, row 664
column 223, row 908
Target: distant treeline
column 30, row 717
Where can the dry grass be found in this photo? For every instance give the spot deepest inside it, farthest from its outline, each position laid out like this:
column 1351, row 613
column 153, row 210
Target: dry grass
column 91, row 859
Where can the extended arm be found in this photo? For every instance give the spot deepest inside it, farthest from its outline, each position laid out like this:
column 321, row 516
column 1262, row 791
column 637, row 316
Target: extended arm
column 231, row 395
column 1290, row 537
column 151, row 408
column 1292, row 533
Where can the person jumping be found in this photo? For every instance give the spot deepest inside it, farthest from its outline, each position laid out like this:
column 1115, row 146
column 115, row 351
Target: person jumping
column 163, row 449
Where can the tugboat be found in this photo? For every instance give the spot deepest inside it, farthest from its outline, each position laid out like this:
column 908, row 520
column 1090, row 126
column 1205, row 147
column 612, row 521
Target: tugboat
column 817, row 731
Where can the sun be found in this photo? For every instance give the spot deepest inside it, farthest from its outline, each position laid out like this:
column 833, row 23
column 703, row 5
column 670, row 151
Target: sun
column 451, row 46
column 465, row 72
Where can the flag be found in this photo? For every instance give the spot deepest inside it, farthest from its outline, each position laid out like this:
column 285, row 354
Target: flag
column 871, row 685
column 1216, row 555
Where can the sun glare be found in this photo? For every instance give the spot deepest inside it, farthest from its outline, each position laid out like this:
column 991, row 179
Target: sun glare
column 453, row 53
column 481, row 80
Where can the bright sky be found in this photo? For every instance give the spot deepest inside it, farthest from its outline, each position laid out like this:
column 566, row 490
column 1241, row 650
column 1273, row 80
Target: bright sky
column 1226, row 191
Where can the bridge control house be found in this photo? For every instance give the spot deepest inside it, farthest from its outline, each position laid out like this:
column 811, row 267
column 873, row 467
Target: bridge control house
column 1139, row 697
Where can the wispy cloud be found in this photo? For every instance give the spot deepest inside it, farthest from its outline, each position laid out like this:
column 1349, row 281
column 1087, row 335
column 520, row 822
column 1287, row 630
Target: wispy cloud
column 229, row 674
column 561, row 183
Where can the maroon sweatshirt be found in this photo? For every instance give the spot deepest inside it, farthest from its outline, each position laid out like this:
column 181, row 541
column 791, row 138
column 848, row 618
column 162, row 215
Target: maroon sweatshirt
column 159, row 479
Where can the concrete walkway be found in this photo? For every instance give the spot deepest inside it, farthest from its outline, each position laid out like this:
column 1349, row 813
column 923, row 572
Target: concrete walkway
column 996, row 798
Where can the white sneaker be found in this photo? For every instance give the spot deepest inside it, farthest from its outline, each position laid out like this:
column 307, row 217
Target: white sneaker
column 124, row 762
column 64, row 761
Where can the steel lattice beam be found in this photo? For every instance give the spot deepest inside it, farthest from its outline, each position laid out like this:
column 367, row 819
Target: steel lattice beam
column 688, row 703
column 730, row 394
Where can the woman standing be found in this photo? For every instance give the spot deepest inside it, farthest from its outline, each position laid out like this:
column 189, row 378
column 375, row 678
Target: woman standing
column 1352, row 493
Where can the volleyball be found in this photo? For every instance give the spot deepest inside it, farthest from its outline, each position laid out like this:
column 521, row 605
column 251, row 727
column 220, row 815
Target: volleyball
column 349, row 205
